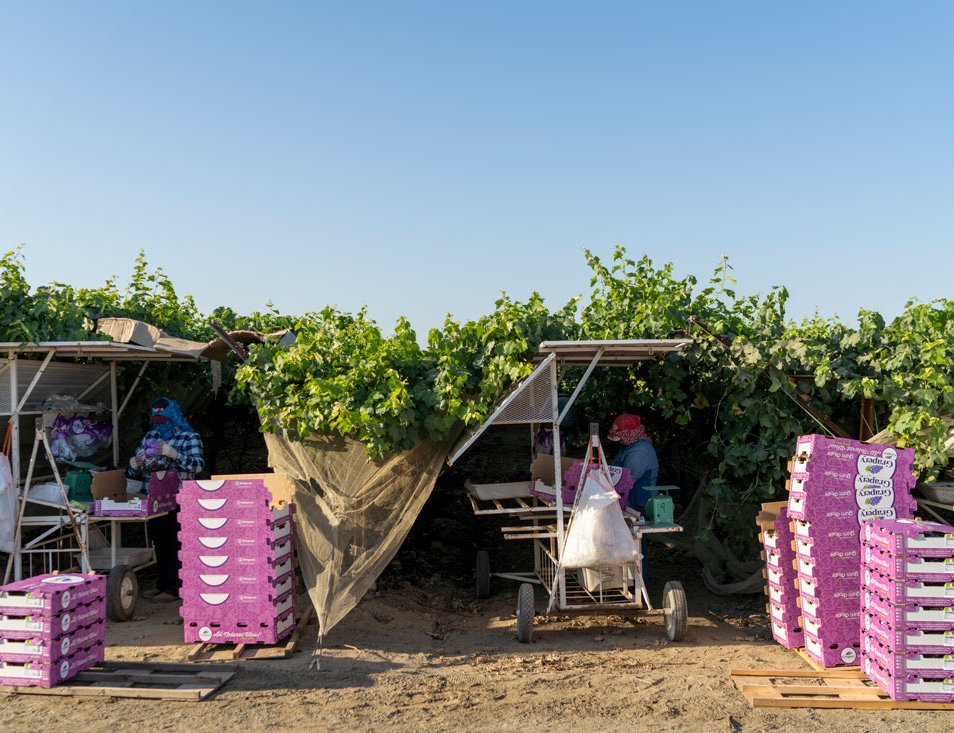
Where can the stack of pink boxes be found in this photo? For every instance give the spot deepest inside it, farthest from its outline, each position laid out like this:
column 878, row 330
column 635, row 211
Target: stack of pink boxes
column 780, row 573
column 52, row 627
column 238, row 563
column 907, row 616
column 837, row 484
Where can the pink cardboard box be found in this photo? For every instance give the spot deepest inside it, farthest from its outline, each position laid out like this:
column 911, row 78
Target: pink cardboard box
column 50, row 675
column 46, row 651
column 193, row 544
column 246, row 489
column 235, row 527
column 159, row 497
column 909, row 567
column 42, row 626
column 787, row 598
column 787, row 616
column 194, row 572
column 836, row 534
column 232, row 513
column 239, row 584
column 911, row 615
column 813, row 452
column 823, row 629
column 843, row 581
column 834, row 652
column 838, row 622
column 906, row 663
column 790, row 637
column 256, row 631
column 867, row 505
column 213, row 560
column 832, row 557
column 922, row 687
column 910, row 537
column 910, row 591
column 51, row 593
column 904, row 640
column 223, row 606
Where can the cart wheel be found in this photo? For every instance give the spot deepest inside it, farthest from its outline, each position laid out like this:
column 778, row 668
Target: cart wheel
column 483, row 574
column 525, row 613
column 122, row 591
column 676, row 611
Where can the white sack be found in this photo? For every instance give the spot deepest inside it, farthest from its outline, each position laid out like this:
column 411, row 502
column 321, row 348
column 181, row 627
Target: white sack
column 598, row 534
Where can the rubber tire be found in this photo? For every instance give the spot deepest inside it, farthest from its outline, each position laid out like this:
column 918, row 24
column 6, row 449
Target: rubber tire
column 483, row 574
column 676, row 619
column 122, row 592
column 526, row 610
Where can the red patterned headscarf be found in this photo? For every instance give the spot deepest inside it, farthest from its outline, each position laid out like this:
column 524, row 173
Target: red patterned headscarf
column 627, row 429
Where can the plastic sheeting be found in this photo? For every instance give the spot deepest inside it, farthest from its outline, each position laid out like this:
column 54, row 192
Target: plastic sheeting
column 352, row 514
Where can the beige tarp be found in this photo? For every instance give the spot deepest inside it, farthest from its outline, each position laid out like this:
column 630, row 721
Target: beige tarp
column 352, row 513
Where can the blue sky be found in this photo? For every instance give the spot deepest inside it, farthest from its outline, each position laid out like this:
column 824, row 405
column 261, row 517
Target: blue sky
column 421, row 157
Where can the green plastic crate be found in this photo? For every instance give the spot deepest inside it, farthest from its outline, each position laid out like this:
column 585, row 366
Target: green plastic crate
column 80, row 484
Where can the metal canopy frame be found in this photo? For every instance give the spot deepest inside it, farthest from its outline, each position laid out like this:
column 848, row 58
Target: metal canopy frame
column 77, row 379
column 523, row 404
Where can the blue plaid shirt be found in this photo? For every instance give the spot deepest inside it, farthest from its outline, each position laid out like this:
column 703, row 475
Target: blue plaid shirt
column 188, row 445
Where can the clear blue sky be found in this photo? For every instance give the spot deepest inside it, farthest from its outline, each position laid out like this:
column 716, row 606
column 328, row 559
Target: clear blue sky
column 421, row 157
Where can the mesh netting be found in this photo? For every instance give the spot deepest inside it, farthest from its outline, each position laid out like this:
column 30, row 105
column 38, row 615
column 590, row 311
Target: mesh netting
column 352, row 513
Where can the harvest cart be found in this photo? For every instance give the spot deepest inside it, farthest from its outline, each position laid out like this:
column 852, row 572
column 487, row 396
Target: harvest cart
column 51, row 532
column 618, row 590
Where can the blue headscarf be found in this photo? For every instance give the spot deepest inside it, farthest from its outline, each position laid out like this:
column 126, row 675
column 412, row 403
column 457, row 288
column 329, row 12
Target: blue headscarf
column 166, row 417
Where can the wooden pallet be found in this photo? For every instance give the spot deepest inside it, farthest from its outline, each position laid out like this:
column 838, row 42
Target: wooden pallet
column 141, row 680
column 240, row 652
column 818, row 668
column 830, row 688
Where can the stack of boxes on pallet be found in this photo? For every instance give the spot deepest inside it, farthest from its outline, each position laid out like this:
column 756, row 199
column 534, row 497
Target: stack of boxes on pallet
column 52, row 627
column 238, row 563
column 907, row 616
column 779, row 555
column 836, row 484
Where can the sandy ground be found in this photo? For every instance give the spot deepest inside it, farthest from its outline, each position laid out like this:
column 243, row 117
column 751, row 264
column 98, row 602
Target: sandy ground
column 407, row 660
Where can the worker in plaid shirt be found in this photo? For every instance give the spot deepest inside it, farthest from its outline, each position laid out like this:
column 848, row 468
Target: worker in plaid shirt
column 170, row 444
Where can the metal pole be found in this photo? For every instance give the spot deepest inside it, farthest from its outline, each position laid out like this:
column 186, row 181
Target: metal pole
column 557, row 476
column 15, row 421
column 113, row 402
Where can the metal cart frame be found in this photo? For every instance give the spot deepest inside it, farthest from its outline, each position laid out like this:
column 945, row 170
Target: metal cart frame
column 63, row 536
column 535, row 401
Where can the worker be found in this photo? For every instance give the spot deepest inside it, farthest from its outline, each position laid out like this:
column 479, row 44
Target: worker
column 637, row 454
column 170, row 444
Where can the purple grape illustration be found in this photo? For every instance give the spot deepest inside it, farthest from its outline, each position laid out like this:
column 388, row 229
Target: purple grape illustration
column 875, row 469
column 874, row 500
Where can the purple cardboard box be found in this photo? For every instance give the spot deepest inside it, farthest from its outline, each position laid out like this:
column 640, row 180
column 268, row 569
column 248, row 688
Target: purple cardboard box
column 922, row 687
column 824, row 629
column 789, row 636
column 841, row 620
column 910, row 537
column 836, row 534
column 46, row 651
column 50, row 675
column 787, row 616
column 905, row 640
column 904, row 663
column 910, row 615
column 42, row 626
column 814, row 452
column 51, row 593
column 212, row 560
column 910, row 591
column 830, row 651
column 222, row 606
column 832, row 557
column 909, row 567
column 246, row 489
column 237, row 546
column 240, row 583
column 838, row 583
column 243, row 631
column 248, row 534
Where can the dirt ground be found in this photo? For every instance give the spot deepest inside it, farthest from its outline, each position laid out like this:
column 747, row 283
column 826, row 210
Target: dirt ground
column 413, row 660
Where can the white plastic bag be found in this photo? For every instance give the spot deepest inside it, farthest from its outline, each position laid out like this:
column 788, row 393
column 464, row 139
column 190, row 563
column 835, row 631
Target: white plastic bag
column 8, row 506
column 598, row 534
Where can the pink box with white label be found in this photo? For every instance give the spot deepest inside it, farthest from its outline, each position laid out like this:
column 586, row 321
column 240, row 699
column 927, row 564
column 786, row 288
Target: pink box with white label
column 256, row 631
column 195, row 572
column 790, row 637
column 834, row 652
column 834, row 533
column 787, row 598
column 826, row 571
column 43, row 626
column 266, row 547
column 159, row 497
column 910, row 537
column 248, row 489
column 837, row 622
column 910, row 615
column 235, row 605
column 922, row 687
column 49, row 651
column 823, row 629
column 910, row 591
column 905, row 663
column 864, row 508
column 909, row 567
column 815, row 451
column 787, row 616
column 838, row 582
column 50, row 675
column 238, row 586
column 903, row 640
column 830, row 557
column 51, row 593
column 817, row 602
column 225, row 563
column 203, row 520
